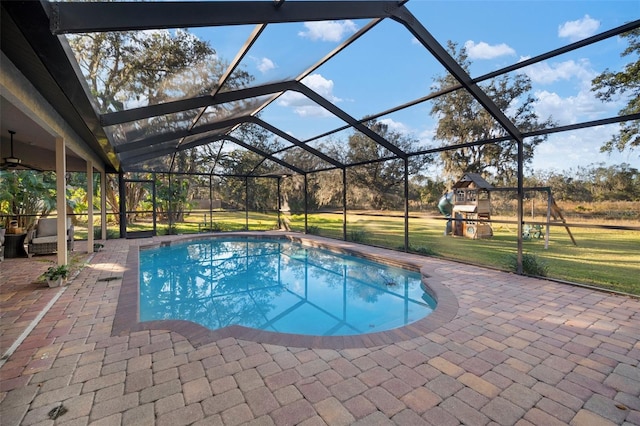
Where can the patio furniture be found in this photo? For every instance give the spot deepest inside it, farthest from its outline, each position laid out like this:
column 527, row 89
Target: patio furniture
column 14, row 245
column 43, row 239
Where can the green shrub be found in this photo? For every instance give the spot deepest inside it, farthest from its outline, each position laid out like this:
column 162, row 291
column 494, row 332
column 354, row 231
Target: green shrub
column 427, row 251
column 216, row 227
column 313, row 230
column 112, row 234
column 531, row 265
column 357, row 236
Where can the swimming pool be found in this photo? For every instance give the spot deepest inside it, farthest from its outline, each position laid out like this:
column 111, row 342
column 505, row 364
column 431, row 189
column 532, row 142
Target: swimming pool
column 276, row 285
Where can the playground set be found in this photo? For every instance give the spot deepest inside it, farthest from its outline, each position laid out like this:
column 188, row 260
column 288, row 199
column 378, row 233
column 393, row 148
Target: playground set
column 468, row 208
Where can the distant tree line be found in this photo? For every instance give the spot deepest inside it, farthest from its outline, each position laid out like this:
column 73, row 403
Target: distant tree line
column 593, row 183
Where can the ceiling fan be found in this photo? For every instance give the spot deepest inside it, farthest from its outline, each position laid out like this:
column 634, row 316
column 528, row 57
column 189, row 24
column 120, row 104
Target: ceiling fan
column 12, row 162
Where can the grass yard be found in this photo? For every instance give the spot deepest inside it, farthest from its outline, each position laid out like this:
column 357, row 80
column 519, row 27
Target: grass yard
column 604, row 258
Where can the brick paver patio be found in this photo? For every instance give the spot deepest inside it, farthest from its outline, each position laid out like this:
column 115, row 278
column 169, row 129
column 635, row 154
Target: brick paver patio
column 519, row 351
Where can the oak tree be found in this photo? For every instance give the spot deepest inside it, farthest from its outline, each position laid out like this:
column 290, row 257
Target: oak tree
column 609, row 86
column 462, row 119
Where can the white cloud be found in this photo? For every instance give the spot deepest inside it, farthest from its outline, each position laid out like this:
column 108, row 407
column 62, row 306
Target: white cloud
column 321, row 85
column 305, row 107
column 551, row 104
column 396, row 126
column 546, row 73
column 580, row 29
column 484, row 50
column 328, row 30
column 564, row 151
column 560, row 152
column 265, row 65
column 427, row 136
column 572, row 109
column 567, row 150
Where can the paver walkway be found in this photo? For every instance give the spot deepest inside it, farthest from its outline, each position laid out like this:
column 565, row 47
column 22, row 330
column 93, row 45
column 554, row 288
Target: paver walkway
column 520, row 351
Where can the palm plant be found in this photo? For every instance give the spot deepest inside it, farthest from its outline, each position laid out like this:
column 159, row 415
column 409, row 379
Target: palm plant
column 25, row 194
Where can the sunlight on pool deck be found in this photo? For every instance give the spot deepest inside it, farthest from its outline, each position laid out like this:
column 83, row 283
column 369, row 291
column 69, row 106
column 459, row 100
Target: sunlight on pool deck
column 517, row 350
column 112, row 267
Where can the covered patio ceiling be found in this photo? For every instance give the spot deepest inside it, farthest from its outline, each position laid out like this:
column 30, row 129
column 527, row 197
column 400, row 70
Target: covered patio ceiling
column 144, row 134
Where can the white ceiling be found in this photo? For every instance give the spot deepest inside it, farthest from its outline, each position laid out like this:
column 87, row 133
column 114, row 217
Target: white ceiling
column 31, row 143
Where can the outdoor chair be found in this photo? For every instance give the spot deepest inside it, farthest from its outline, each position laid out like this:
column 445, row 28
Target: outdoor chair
column 531, row 231
column 43, row 239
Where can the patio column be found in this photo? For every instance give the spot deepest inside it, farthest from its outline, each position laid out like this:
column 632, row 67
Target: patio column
column 103, row 204
column 123, row 206
column 61, row 200
column 89, row 207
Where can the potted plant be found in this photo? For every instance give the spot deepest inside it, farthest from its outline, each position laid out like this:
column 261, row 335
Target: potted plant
column 56, row 275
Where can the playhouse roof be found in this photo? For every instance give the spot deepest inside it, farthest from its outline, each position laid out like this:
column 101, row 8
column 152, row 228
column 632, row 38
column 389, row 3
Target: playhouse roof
column 472, row 178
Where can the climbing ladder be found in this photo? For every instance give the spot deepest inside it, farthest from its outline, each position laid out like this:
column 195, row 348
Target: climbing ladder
column 557, row 217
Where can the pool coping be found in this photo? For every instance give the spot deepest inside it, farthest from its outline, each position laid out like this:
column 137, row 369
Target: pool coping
column 126, row 319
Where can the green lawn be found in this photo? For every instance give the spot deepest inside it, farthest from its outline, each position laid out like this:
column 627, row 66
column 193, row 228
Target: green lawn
column 604, row 258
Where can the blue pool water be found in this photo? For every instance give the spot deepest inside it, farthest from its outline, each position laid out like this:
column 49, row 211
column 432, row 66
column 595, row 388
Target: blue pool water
column 279, row 286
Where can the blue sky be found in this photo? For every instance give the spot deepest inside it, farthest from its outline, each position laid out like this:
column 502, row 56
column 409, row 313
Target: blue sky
column 387, row 67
